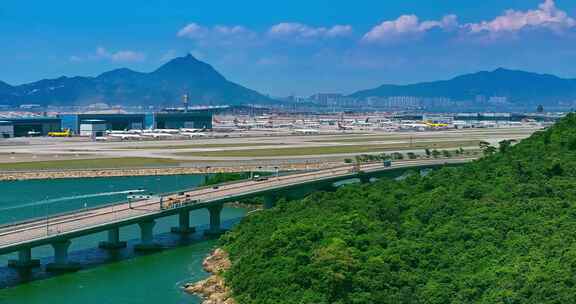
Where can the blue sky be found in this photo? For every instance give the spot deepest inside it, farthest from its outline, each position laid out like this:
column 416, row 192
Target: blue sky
column 285, row 47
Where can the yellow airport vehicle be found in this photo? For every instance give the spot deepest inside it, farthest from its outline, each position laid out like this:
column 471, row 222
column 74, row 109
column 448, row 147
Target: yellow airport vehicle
column 437, row 125
column 65, row 133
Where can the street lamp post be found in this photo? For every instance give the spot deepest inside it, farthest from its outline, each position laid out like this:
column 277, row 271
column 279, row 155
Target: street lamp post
column 47, row 217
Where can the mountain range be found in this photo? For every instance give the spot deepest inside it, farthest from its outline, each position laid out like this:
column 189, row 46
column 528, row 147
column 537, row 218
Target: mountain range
column 164, row 86
column 187, row 75
column 520, row 88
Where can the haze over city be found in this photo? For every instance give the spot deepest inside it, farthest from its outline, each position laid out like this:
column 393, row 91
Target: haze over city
column 295, row 47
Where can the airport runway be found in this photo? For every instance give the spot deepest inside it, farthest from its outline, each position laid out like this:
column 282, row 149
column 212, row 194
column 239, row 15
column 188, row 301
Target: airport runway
column 59, row 149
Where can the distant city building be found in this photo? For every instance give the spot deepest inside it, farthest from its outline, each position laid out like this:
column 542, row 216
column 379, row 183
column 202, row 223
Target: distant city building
column 327, row 99
column 480, row 99
column 403, row 102
column 437, row 103
column 30, row 107
column 498, row 100
column 6, row 129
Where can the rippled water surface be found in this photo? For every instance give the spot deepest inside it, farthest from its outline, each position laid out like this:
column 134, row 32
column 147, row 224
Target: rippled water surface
column 107, row 277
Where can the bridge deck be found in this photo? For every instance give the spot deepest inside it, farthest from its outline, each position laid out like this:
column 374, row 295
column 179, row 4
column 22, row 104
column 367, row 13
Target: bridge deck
column 40, row 231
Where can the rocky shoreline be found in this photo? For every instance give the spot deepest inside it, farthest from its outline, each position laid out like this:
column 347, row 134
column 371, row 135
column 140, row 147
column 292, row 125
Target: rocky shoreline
column 213, row 290
column 95, row 173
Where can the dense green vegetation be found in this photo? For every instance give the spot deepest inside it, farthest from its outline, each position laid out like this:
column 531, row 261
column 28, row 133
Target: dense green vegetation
column 227, row 177
column 220, row 178
column 499, row 230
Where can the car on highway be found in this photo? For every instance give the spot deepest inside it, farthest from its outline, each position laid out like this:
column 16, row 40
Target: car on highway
column 258, row 178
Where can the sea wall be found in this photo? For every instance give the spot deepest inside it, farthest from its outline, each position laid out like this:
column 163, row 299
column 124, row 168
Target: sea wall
column 8, row 175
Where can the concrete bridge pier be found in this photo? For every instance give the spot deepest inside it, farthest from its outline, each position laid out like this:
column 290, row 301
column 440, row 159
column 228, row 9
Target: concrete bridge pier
column 364, row 178
column 24, row 260
column 61, row 263
column 270, row 201
column 184, row 224
column 147, row 237
column 215, row 225
column 113, row 242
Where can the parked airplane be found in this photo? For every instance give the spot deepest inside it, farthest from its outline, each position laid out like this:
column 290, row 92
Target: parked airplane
column 125, row 136
column 192, row 130
column 192, row 135
column 158, row 135
column 166, row 131
column 342, row 127
column 306, row 131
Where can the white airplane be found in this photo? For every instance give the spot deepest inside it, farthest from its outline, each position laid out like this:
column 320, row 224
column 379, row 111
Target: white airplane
column 125, row 136
column 285, row 125
column 167, row 131
column 158, row 135
column 115, row 132
column 191, row 130
column 458, row 124
column 417, row 126
column 342, row 127
column 306, row 131
column 192, row 135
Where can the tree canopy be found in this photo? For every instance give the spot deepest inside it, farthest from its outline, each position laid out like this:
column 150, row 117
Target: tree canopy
column 498, row 230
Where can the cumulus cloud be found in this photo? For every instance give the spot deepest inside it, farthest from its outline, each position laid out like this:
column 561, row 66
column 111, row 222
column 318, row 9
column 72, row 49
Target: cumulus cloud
column 75, row 59
column 192, row 31
column 547, row 16
column 407, row 25
column 102, row 53
column 198, row 32
column 299, row 30
column 120, row 56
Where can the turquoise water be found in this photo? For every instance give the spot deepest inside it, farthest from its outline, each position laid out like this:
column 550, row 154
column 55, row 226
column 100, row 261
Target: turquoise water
column 107, row 277
column 36, row 198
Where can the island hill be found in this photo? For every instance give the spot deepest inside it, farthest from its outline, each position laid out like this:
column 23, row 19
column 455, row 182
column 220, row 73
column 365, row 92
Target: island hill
column 499, row 230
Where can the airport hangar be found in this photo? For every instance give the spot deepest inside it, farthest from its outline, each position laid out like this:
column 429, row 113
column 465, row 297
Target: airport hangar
column 28, row 126
column 192, row 119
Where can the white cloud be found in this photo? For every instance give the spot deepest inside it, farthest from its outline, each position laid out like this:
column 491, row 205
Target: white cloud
column 231, row 30
column 407, row 25
column 75, row 59
column 120, row 56
column 192, row 31
column 201, row 33
column 104, row 54
column 547, row 16
column 294, row 29
column 168, row 55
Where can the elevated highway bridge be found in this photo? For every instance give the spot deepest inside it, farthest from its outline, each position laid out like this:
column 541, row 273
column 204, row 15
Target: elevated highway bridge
column 59, row 230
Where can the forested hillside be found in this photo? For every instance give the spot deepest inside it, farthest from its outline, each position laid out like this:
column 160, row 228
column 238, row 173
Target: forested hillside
column 499, row 230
